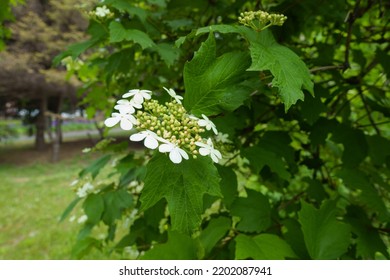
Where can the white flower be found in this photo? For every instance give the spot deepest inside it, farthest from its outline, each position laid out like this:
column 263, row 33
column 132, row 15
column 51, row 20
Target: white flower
column 126, row 120
column 208, row 149
column 138, row 95
column 208, row 124
column 126, row 106
column 85, row 189
column 222, row 138
column 74, row 183
column 102, row 11
column 173, row 94
column 82, row 219
column 192, row 117
column 149, row 136
column 175, row 153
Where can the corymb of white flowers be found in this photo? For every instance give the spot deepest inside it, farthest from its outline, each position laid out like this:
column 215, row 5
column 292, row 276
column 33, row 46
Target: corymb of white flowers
column 168, row 128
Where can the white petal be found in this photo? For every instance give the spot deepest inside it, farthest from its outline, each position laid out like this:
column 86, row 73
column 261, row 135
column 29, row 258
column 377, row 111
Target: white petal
column 217, row 153
column 183, row 153
column 138, row 137
column 175, row 156
column 214, row 158
column 146, row 95
column 151, row 143
column 204, row 151
column 130, row 93
column 164, row 148
column 200, row 144
column 215, row 130
column 126, row 124
column 125, row 109
column 110, row 122
column 202, row 123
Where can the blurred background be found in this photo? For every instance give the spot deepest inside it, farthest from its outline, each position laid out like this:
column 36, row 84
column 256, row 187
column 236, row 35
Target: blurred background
column 43, row 128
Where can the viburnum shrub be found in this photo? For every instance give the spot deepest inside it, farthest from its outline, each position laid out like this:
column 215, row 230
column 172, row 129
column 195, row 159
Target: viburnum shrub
column 264, row 126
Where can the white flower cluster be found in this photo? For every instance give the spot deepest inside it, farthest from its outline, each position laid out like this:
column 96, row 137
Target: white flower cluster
column 167, row 127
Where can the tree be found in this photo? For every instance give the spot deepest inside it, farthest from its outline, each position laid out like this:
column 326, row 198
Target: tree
column 41, row 30
column 300, row 101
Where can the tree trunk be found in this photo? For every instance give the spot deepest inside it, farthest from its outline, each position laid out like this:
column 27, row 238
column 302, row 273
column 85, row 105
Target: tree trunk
column 40, row 125
column 57, row 139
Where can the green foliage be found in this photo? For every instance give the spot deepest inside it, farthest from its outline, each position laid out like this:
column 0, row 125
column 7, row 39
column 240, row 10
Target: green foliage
column 183, row 186
column 303, row 109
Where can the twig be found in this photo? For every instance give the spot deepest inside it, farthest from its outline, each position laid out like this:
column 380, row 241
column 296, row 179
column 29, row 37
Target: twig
column 368, row 112
column 325, row 68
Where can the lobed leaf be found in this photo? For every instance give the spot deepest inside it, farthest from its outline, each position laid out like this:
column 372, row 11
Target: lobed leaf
column 290, row 73
column 325, row 237
column 262, row 247
column 213, row 84
column 183, row 186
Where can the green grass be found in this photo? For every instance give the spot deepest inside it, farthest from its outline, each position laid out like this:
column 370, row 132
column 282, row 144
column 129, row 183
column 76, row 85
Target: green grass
column 32, row 199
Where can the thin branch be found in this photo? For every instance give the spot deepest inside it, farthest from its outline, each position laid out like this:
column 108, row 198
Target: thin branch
column 376, row 124
column 350, row 19
column 325, row 68
column 368, row 112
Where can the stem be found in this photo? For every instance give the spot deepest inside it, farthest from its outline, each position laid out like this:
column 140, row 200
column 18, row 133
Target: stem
column 369, row 112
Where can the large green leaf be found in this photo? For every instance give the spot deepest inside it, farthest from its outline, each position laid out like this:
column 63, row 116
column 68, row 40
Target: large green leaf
column 93, row 208
column 368, row 239
column 213, row 84
column 254, row 211
column 228, row 184
column 95, row 167
column 215, row 230
column 354, row 142
column 325, row 237
column 183, row 186
column 368, row 194
column 290, row 73
column 259, row 157
column 119, row 33
column 262, row 247
column 178, row 247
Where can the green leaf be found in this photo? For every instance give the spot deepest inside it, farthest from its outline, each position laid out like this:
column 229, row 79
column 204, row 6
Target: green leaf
column 325, row 237
column 260, row 156
column 294, row 237
column 97, row 32
column 115, row 202
column 368, row 241
column 178, row 247
column 356, row 180
column 228, row 184
column 168, row 53
column 183, row 186
column 215, row 230
column 95, row 167
column 378, row 148
column 118, row 34
column 254, row 211
column 93, row 208
column 262, row 247
column 354, row 142
column 125, row 6
column 384, row 59
column 69, row 209
column 290, row 73
column 213, row 84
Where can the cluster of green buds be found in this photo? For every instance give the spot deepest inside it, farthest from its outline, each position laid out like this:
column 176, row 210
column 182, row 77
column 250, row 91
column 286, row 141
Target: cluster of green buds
column 261, row 20
column 166, row 127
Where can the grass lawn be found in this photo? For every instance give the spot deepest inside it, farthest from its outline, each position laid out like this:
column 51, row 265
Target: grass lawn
column 34, row 193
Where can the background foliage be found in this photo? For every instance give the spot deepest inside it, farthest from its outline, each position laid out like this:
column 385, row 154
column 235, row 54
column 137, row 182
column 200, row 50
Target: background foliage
column 305, row 107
